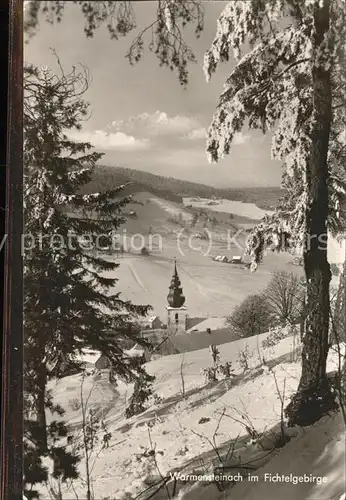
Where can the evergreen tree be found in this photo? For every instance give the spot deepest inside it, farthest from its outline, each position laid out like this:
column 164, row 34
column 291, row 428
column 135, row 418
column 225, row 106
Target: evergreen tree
column 141, row 393
column 70, row 299
column 291, row 81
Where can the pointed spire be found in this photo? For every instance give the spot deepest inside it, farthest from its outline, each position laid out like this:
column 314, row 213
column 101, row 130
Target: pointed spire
column 175, row 274
column 175, row 295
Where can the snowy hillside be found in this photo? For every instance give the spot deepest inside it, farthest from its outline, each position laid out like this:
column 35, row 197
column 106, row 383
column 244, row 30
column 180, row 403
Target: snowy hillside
column 182, row 430
column 317, row 451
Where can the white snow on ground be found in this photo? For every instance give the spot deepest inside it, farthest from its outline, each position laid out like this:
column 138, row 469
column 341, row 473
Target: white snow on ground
column 175, row 430
column 336, row 248
column 249, row 210
column 318, row 450
column 172, row 208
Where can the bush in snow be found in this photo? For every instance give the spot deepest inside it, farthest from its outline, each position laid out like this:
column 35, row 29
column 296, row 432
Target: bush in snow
column 252, row 316
column 157, row 399
column 243, row 358
column 141, row 393
column 210, row 373
column 274, row 337
column 285, row 297
column 126, row 496
column 215, row 353
column 74, row 404
column 226, row 369
column 145, row 465
column 90, row 440
column 182, row 451
column 204, row 420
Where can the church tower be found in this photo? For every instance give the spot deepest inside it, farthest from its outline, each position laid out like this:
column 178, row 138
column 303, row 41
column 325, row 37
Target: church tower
column 176, row 310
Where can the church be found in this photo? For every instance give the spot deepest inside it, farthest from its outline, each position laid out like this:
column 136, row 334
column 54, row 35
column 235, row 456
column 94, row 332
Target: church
column 179, row 332
column 178, row 321
column 176, row 309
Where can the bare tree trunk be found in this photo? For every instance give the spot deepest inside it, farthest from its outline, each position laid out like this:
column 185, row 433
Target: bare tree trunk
column 314, row 397
column 111, row 377
column 182, row 375
column 40, row 407
column 340, row 307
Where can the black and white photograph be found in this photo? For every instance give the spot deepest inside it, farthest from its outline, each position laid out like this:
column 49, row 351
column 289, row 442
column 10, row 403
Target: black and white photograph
column 184, row 250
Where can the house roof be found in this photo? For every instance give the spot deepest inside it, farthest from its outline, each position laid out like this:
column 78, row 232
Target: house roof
column 212, row 323
column 201, row 340
column 192, row 322
column 134, row 352
column 152, row 318
column 88, row 357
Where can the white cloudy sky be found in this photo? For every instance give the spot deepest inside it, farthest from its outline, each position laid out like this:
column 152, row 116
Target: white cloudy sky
column 141, row 116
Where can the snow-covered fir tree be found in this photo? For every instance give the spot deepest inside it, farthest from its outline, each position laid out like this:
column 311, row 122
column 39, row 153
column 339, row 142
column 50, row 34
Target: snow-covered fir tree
column 70, row 300
column 163, row 35
column 289, row 79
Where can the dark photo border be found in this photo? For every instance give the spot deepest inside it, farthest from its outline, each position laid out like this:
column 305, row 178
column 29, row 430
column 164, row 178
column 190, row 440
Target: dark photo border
column 12, row 370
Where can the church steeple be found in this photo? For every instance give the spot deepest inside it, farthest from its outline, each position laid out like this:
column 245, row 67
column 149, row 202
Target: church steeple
column 175, row 295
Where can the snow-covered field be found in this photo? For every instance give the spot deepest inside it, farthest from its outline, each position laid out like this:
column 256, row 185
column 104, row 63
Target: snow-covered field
column 249, row 210
column 186, row 430
column 211, row 288
column 336, row 247
column 182, row 429
column 173, row 209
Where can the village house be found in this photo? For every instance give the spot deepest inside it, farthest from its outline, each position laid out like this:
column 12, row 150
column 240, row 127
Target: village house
column 151, row 323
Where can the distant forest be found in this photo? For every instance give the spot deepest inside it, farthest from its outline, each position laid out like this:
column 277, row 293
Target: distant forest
column 169, row 188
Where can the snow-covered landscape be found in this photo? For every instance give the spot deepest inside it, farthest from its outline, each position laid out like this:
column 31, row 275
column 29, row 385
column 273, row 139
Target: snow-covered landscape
column 249, row 210
column 182, row 429
column 184, row 266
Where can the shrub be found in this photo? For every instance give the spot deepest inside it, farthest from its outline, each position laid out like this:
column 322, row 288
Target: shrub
column 252, row 316
column 141, row 393
column 194, row 220
column 210, row 374
column 243, row 357
column 226, row 369
column 157, row 399
column 274, row 337
column 285, row 297
column 215, row 353
column 74, row 404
